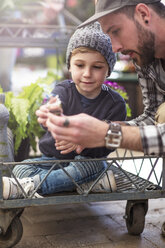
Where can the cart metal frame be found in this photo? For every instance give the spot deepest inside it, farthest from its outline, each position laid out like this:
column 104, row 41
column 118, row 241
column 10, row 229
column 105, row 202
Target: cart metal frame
column 21, row 35
column 137, row 192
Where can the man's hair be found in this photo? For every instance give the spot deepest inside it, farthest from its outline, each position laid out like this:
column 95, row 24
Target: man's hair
column 129, row 11
column 159, row 8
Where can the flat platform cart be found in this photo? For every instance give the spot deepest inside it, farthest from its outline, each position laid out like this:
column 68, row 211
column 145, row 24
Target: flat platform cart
column 134, row 185
column 131, row 186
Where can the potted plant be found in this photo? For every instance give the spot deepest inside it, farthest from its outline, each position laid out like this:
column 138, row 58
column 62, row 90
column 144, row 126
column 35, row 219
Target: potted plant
column 23, row 121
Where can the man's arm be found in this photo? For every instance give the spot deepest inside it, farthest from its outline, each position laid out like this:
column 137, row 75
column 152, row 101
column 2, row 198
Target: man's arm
column 131, row 138
column 89, row 132
column 152, row 97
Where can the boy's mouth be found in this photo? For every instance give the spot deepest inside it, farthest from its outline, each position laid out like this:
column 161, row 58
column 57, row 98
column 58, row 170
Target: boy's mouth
column 87, row 82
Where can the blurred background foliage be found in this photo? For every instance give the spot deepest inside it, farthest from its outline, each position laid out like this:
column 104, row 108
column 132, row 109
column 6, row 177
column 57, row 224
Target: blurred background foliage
column 79, row 8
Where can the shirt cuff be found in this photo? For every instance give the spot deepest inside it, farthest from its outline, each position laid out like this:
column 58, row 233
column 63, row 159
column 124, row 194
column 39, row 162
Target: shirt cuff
column 151, row 140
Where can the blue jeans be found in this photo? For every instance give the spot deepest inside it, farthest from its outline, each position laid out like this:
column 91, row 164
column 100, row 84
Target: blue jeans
column 57, row 180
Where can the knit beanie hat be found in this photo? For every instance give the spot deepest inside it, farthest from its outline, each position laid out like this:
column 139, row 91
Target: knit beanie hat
column 92, row 36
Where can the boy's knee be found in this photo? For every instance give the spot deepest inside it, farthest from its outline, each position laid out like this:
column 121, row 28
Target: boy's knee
column 160, row 114
column 17, row 171
column 21, row 170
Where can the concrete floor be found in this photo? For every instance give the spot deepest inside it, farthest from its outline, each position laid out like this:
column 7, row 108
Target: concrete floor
column 89, row 225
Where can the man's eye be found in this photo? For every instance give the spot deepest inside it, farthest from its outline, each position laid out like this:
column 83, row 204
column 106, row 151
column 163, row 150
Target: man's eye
column 115, row 31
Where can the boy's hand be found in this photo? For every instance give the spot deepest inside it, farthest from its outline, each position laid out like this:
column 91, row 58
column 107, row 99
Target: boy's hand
column 42, row 115
column 54, row 105
column 65, row 146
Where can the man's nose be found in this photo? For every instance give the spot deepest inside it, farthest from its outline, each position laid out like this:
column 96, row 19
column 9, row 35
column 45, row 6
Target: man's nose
column 116, row 46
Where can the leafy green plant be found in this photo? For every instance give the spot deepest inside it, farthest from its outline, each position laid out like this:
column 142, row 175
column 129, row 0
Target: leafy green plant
column 22, row 108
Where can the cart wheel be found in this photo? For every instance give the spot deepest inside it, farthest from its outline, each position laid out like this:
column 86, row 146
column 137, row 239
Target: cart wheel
column 135, row 218
column 12, row 235
column 163, row 229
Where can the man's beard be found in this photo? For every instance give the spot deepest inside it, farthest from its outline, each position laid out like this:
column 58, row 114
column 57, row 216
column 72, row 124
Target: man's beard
column 146, row 47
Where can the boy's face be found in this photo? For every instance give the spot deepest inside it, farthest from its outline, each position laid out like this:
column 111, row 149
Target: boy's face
column 88, row 70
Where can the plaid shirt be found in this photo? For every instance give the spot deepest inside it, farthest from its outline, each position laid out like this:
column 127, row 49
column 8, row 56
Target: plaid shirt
column 153, row 89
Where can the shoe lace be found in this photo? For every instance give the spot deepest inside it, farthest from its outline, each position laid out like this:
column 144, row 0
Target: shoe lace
column 29, row 189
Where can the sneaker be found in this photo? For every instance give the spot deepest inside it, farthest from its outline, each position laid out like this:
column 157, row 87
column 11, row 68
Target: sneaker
column 105, row 184
column 12, row 190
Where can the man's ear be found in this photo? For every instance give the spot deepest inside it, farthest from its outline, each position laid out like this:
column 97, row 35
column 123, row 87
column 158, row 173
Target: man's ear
column 142, row 13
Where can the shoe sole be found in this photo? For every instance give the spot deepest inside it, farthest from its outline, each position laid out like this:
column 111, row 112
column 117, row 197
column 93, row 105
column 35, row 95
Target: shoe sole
column 6, row 187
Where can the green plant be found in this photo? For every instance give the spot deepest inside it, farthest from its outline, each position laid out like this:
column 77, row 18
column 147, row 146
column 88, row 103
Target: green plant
column 22, row 108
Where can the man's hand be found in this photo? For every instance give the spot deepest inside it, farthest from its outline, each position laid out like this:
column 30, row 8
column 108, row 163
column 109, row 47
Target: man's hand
column 83, row 130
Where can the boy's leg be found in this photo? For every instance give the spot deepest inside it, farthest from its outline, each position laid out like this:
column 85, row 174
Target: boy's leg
column 57, row 180
column 31, row 169
column 81, row 172
column 27, row 170
column 28, row 176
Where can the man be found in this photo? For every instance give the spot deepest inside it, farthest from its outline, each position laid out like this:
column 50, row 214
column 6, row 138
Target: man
column 136, row 28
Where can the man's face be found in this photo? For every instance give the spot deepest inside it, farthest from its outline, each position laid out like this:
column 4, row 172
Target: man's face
column 129, row 37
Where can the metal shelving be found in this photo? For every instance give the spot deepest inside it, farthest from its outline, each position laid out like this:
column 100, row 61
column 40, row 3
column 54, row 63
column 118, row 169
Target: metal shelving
column 30, row 35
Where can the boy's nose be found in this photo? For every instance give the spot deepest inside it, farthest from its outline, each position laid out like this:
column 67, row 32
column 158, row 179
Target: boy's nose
column 87, row 72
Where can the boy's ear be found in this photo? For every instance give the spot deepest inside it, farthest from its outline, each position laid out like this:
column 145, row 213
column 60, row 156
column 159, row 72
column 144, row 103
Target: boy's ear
column 69, row 74
column 142, row 13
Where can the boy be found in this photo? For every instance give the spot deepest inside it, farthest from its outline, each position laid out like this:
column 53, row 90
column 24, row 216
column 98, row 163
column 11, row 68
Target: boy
column 90, row 60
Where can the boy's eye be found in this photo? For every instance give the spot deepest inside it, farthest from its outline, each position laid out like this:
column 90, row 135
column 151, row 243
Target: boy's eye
column 94, row 66
column 97, row 67
column 79, row 65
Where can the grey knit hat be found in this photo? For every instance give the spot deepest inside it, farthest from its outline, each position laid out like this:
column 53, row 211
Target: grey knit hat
column 92, row 36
